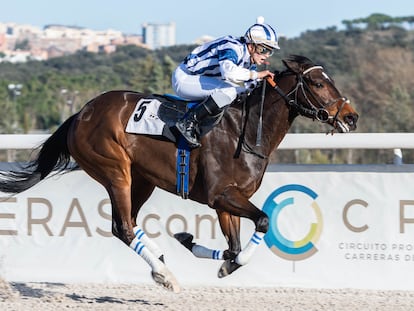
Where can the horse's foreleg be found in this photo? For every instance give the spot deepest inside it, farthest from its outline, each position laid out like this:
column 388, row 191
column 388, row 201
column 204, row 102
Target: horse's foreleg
column 246, row 254
column 261, row 221
column 234, row 203
column 197, row 250
column 230, row 229
column 231, row 265
column 230, row 226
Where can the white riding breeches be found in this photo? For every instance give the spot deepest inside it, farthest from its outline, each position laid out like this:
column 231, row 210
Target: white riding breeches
column 196, row 87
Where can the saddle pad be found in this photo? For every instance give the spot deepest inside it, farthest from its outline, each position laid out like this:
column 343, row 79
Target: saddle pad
column 144, row 119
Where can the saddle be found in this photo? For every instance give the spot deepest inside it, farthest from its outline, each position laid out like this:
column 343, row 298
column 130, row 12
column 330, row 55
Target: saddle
column 156, row 115
column 173, row 108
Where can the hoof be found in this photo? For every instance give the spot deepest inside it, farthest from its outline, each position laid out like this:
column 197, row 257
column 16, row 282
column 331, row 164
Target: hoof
column 227, row 268
column 185, row 239
column 166, row 279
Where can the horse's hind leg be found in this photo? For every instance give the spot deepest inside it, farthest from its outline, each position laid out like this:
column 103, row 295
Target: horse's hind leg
column 122, row 222
column 117, row 180
column 141, row 190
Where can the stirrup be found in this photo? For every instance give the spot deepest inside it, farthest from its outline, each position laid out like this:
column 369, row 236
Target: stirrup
column 188, row 131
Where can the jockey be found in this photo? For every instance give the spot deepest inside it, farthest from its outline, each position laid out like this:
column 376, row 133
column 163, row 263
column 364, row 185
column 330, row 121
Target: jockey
column 217, row 71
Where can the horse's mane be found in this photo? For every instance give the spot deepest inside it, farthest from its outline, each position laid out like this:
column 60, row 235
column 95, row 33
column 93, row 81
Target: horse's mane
column 301, row 60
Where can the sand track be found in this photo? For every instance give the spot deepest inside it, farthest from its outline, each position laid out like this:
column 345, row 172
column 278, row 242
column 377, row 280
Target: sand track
column 57, row 296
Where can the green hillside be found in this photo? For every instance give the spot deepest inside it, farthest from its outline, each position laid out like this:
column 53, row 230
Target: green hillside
column 371, row 61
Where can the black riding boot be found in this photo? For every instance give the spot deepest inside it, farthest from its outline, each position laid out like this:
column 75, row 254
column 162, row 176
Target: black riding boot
column 188, row 125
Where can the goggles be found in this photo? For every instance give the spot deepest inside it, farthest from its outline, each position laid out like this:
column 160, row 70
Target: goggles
column 260, row 49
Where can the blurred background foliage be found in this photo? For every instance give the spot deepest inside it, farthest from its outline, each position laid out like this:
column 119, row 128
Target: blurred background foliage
column 371, row 61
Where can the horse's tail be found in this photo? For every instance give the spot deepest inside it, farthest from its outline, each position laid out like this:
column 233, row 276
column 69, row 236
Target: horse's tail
column 53, row 155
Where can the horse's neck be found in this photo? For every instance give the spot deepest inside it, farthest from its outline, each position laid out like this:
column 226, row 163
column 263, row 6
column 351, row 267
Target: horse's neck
column 276, row 121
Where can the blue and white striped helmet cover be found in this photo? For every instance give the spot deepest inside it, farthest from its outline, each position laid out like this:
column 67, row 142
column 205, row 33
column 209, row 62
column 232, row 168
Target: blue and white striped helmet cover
column 262, row 34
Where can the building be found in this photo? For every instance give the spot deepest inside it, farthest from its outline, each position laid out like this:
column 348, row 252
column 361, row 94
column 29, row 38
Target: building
column 158, row 35
column 19, row 43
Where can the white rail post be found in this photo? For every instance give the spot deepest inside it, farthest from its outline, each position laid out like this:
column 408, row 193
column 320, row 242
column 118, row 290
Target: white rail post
column 398, row 157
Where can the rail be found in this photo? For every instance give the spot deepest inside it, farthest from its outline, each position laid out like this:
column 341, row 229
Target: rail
column 291, row 141
column 395, row 141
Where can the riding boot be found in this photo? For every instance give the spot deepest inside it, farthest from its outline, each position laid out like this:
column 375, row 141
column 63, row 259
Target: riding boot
column 188, row 126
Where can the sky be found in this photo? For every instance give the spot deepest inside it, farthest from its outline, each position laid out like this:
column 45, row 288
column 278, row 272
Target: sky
column 197, row 18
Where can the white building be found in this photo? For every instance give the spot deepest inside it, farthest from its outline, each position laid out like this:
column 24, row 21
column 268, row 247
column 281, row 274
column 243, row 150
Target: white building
column 57, row 40
column 158, row 35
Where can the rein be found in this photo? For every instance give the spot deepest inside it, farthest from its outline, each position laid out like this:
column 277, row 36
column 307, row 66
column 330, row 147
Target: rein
column 313, row 112
column 242, row 144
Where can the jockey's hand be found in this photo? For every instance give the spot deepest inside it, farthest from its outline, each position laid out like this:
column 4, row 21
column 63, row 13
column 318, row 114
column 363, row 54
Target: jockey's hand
column 265, row 73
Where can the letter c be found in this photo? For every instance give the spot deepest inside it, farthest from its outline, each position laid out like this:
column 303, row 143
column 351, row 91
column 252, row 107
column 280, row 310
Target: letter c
column 345, row 215
column 144, row 225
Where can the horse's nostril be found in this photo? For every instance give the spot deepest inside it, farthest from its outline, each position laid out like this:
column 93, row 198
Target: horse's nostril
column 351, row 118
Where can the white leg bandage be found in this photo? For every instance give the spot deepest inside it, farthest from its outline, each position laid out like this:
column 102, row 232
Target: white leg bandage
column 146, row 254
column 204, row 252
column 152, row 246
column 244, row 256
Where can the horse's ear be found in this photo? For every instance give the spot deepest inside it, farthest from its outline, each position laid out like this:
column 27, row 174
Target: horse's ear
column 292, row 65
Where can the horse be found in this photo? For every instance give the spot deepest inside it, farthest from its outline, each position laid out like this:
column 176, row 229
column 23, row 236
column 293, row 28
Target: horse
column 223, row 173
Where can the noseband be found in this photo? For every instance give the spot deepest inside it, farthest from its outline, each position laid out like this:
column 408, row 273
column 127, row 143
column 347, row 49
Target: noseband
column 311, row 111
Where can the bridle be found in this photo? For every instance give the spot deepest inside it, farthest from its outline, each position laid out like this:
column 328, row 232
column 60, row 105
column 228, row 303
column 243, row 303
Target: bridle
column 311, row 110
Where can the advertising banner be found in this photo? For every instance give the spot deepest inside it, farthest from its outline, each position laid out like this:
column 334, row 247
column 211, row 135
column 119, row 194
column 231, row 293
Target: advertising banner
column 328, row 229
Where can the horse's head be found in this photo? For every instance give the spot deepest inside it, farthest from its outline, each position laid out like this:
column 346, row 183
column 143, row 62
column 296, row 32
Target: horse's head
column 315, row 95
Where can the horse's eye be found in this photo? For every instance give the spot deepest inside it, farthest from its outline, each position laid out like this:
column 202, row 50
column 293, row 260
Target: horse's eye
column 319, row 85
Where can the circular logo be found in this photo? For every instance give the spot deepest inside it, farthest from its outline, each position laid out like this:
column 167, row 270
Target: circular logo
column 280, row 199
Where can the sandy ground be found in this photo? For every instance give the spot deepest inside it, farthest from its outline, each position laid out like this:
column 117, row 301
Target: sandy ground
column 54, row 296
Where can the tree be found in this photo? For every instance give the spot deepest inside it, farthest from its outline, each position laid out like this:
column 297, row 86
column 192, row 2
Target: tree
column 373, row 67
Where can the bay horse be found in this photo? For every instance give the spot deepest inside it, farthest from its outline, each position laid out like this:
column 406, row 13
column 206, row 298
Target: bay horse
column 224, row 173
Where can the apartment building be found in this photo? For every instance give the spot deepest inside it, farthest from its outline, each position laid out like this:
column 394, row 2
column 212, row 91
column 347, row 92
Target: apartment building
column 157, row 35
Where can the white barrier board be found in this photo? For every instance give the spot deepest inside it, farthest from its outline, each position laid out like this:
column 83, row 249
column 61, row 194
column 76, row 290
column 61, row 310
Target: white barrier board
column 327, row 229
